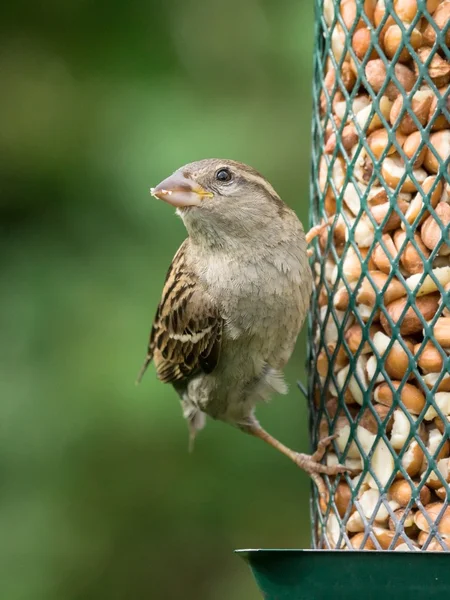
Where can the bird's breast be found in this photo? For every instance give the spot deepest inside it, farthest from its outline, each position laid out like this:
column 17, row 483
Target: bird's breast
column 263, row 302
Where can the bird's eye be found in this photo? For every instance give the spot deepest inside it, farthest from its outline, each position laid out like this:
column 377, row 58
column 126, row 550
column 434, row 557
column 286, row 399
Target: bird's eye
column 223, row 175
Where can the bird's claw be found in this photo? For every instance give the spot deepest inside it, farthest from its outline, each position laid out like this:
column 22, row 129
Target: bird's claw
column 317, row 230
column 315, row 469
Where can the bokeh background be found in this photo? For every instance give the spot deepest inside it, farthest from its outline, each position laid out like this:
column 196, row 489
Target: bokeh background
column 99, row 498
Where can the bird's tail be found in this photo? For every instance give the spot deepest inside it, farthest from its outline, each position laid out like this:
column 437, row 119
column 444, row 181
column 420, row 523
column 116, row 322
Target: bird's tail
column 196, row 420
column 148, row 360
column 194, row 425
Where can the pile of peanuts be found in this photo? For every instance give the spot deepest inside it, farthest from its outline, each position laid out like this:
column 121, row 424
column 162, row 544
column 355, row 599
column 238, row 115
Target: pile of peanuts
column 365, row 285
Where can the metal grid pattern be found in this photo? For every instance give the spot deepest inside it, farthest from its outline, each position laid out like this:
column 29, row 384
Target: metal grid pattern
column 379, row 371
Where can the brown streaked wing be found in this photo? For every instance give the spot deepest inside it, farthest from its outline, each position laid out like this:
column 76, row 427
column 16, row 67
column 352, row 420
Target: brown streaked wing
column 187, row 328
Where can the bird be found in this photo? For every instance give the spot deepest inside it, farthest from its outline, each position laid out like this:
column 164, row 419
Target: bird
column 234, row 300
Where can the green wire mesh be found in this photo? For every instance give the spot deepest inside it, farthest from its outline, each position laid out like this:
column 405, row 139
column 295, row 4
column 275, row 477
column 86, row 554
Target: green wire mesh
column 380, row 306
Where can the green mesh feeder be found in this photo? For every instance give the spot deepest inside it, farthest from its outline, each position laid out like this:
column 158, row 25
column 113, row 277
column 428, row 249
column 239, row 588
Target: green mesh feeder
column 380, row 295
column 379, row 327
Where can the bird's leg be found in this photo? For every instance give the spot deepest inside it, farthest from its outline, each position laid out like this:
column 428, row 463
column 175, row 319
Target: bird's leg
column 309, row 463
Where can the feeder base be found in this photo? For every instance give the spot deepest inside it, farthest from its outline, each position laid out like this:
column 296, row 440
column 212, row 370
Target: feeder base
column 340, row 575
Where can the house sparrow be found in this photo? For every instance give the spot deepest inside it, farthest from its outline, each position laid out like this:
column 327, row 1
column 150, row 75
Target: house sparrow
column 234, row 300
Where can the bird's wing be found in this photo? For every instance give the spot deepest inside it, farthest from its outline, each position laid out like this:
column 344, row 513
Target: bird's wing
column 187, row 329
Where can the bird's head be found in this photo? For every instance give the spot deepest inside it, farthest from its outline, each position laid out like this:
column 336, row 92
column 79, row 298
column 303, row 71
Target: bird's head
column 221, row 197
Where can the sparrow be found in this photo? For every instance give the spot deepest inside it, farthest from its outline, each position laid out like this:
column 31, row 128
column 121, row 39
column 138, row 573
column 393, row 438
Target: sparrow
column 234, row 300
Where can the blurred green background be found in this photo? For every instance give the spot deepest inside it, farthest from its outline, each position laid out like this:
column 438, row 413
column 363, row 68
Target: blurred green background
column 100, row 100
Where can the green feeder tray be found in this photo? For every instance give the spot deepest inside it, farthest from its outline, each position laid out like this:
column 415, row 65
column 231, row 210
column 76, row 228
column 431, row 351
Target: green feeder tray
column 337, row 575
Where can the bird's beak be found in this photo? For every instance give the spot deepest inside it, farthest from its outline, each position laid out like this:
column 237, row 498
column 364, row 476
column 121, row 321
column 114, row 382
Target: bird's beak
column 180, row 191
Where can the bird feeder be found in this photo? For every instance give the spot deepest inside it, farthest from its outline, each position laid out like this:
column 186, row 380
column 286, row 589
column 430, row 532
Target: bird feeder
column 379, row 328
